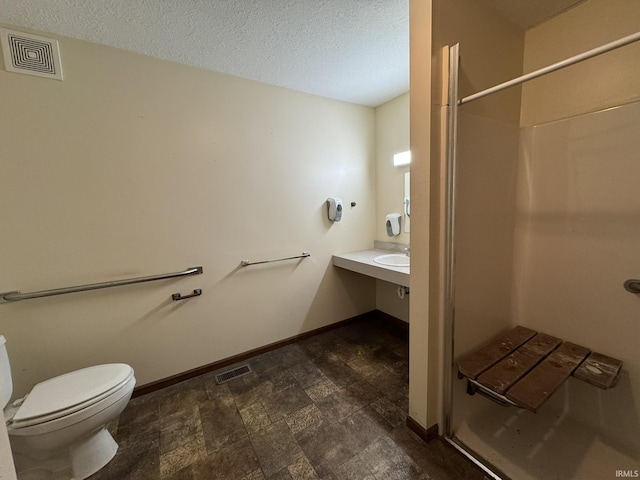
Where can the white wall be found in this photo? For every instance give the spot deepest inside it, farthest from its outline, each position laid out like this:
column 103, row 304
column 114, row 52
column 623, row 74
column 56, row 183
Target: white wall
column 578, row 220
column 135, row 166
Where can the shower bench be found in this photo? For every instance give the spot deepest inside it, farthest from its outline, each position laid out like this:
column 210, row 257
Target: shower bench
column 524, row 368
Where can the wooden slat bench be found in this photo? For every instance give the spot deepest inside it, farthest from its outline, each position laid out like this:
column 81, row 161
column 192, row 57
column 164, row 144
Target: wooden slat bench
column 524, row 368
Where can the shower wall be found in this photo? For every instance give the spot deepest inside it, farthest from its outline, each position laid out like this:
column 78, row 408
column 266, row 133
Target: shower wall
column 577, row 234
column 576, row 228
column 609, row 79
column 578, row 211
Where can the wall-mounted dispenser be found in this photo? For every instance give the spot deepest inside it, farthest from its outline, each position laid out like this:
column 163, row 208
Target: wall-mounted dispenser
column 393, row 224
column 334, row 206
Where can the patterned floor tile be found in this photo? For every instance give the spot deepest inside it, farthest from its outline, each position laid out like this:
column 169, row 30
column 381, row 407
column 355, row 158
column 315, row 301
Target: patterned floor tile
column 232, row 462
column 181, row 457
column 302, row 470
column 279, row 404
column 255, row 417
column 221, row 424
column 326, row 444
column 331, row 407
column 275, row 447
column 303, row 418
column 321, row 389
column 179, row 428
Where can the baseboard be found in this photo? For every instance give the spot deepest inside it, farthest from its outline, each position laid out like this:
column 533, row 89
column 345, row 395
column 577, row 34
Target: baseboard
column 395, row 323
column 398, row 326
column 426, row 434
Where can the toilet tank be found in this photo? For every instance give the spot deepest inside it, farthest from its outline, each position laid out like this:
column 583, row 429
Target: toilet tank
column 6, row 383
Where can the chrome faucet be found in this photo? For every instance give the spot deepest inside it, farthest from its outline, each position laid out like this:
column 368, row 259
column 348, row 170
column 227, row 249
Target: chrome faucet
column 407, row 251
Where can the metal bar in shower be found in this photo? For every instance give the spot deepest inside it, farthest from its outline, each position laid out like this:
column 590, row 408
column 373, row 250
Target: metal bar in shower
column 246, row 263
column 556, row 66
column 16, row 296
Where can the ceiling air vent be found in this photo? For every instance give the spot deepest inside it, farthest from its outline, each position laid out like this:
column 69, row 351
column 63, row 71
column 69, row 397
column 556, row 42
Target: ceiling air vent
column 30, row 54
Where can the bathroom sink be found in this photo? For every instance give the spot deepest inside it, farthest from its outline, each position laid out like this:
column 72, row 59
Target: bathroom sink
column 392, row 260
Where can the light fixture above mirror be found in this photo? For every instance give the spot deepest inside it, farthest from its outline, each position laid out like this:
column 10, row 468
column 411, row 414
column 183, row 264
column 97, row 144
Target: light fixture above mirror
column 402, row 159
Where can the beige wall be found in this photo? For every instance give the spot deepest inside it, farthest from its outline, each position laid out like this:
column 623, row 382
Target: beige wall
column 421, row 408
column 490, row 50
column 483, row 124
column 392, row 136
column 388, row 300
column 135, row 166
column 609, row 79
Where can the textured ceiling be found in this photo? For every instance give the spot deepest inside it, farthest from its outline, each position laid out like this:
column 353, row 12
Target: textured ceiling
column 351, row 50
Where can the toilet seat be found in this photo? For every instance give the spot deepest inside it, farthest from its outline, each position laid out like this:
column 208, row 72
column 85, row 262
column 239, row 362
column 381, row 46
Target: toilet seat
column 59, row 398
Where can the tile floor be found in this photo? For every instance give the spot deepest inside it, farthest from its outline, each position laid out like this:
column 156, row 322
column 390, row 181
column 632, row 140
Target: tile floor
column 329, row 407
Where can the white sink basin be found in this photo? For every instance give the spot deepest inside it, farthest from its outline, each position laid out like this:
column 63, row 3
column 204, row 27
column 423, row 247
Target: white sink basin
column 392, row 260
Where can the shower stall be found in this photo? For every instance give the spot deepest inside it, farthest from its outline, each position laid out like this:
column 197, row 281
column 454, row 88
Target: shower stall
column 542, row 230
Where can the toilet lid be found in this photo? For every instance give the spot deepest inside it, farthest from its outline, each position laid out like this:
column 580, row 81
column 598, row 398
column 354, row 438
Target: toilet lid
column 71, row 389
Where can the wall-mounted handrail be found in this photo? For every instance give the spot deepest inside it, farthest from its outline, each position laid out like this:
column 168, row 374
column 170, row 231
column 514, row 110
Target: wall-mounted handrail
column 632, row 286
column 16, row 296
column 246, row 263
column 178, row 296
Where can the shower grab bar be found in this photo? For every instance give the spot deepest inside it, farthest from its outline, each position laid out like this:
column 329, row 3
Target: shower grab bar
column 246, row 263
column 607, row 47
column 16, row 296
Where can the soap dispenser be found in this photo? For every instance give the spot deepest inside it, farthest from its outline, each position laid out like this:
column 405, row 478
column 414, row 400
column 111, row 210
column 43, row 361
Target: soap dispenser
column 334, row 207
column 393, row 224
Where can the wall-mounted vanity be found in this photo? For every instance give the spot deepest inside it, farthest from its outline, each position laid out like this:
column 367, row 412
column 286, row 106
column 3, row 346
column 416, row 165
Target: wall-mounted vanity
column 368, row 262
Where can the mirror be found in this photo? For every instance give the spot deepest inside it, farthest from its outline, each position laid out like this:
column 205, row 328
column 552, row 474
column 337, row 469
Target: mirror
column 407, row 202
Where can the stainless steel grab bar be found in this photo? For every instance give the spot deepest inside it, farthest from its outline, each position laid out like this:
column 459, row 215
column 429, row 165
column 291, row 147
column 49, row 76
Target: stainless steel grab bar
column 178, row 296
column 246, row 263
column 632, row 286
column 16, row 296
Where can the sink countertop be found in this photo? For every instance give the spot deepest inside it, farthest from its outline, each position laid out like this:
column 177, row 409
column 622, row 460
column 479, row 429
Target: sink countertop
column 362, row 262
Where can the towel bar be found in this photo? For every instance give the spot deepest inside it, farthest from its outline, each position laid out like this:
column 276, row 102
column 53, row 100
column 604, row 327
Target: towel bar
column 16, row 296
column 246, row 263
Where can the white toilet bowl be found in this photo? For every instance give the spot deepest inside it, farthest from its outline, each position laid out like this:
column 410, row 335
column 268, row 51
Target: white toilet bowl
column 58, row 431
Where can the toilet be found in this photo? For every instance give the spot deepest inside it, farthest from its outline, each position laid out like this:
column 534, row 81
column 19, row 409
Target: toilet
column 58, row 431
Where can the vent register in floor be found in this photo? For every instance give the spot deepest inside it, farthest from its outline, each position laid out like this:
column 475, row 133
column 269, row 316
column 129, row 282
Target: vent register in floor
column 233, row 373
column 332, row 406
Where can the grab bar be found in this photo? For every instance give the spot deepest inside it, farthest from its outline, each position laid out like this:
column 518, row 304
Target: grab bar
column 246, row 263
column 178, row 296
column 632, row 286
column 16, row 296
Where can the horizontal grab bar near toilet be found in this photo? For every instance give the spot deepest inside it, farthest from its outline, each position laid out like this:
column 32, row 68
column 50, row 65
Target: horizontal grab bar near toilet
column 246, row 263
column 632, row 286
column 178, row 296
column 16, row 296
